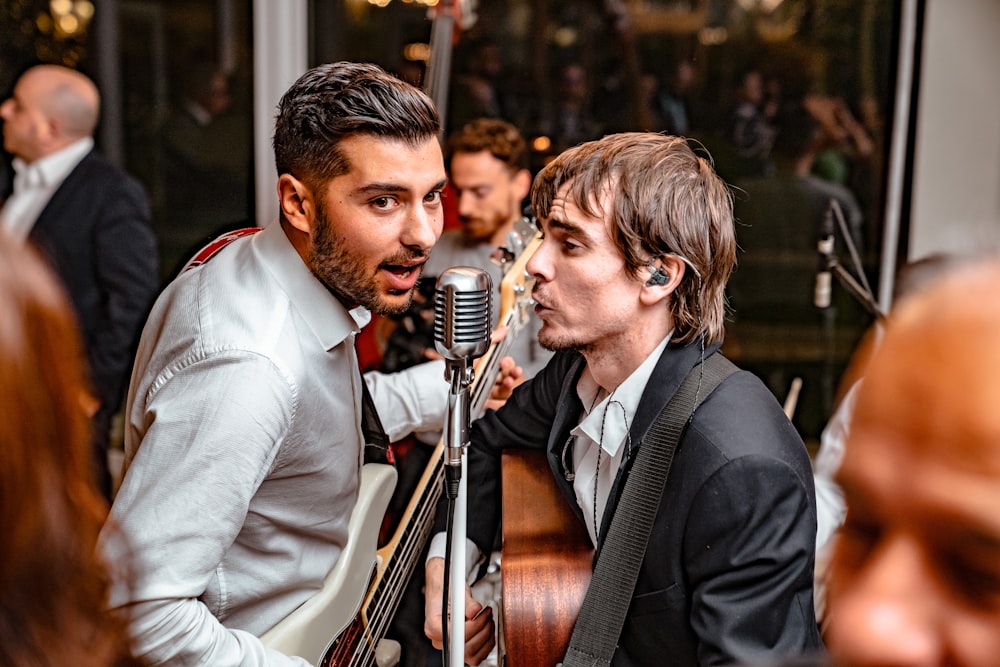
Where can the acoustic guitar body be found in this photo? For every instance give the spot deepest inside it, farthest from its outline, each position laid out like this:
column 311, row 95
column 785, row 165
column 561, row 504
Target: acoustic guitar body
column 545, row 563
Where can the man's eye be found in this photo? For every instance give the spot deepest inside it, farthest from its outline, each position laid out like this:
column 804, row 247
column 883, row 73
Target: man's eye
column 383, row 202
column 858, row 539
column 434, row 197
column 976, row 579
column 981, row 586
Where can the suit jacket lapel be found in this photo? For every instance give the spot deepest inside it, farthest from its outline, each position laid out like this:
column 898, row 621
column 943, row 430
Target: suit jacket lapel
column 568, row 413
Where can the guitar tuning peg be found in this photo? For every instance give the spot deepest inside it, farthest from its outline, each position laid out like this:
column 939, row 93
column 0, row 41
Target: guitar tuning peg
column 502, row 257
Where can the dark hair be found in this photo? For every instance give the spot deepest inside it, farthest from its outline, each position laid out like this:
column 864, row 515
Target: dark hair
column 336, row 100
column 663, row 199
column 500, row 138
column 55, row 585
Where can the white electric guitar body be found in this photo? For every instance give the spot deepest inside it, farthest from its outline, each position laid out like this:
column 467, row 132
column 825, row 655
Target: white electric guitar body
column 342, row 623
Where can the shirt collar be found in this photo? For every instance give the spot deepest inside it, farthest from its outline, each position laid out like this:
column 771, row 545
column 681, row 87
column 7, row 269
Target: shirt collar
column 51, row 169
column 608, row 421
column 323, row 313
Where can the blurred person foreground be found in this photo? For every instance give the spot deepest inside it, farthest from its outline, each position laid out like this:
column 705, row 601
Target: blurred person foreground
column 915, row 576
column 53, row 588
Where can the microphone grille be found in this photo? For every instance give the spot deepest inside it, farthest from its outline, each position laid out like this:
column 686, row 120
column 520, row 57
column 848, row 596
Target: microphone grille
column 462, row 311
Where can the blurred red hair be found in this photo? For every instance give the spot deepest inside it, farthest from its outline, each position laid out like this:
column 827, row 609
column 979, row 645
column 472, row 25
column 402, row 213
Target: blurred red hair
column 53, row 586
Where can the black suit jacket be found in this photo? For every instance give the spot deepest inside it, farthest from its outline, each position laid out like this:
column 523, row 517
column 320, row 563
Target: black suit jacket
column 728, row 571
column 96, row 233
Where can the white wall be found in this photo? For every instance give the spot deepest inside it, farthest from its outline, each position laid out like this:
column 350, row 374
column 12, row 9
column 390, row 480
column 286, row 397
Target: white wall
column 956, row 187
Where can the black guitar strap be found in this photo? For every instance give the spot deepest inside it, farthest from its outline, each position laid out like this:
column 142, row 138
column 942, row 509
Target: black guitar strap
column 597, row 629
column 377, row 449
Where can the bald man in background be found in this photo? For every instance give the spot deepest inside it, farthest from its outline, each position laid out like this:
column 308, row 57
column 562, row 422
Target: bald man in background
column 915, row 575
column 90, row 219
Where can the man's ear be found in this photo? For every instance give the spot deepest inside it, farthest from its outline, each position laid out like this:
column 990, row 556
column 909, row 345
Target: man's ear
column 662, row 277
column 522, row 183
column 296, row 203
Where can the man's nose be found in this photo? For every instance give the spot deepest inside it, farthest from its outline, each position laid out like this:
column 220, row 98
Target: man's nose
column 423, row 228
column 466, row 204
column 539, row 265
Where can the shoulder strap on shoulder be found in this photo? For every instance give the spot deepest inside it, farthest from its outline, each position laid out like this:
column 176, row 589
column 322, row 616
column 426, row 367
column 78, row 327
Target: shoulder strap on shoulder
column 212, row 249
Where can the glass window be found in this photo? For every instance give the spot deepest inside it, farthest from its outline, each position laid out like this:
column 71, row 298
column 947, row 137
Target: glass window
column 186, row 73
column 790, row 98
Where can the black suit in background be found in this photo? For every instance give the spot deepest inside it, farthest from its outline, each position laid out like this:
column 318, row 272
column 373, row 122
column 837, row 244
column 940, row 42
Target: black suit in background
column 95, row 231
column 728, row 571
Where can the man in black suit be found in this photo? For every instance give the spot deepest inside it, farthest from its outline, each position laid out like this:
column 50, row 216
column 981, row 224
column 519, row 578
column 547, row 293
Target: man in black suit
column 630, row 277
column 91, row 221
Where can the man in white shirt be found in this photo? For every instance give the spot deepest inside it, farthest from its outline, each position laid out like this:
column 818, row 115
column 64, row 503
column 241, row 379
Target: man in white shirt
column 91, row 221
column 244, row 418
column 639, row 241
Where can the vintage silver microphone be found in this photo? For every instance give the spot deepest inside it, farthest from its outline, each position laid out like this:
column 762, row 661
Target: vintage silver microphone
column 462, row 308
column 463, row 304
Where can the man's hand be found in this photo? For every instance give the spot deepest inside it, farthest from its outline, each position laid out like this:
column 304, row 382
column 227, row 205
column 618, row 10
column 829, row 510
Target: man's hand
column 480, row 628
column 510, row 376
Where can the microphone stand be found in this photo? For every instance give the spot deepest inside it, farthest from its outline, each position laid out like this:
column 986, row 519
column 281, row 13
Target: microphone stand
column 862, row 293
column 456, row 442
column 463, row 304
column 853, row 287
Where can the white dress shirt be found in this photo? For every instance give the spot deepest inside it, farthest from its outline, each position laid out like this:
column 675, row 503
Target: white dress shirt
column 34, row 185
column 243, row 448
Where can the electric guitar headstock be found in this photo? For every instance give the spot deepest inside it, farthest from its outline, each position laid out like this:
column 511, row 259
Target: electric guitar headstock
column 515, row 288
column 516, row 303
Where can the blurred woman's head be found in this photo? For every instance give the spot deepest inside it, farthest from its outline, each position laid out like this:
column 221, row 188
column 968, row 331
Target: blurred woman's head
column 53, row 587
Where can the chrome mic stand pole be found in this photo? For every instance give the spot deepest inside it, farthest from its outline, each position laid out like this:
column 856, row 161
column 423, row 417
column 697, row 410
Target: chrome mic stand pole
column 457, row 439
column 462, row 308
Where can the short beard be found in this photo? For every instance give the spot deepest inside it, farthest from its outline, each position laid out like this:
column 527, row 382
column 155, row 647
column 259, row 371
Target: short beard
column 346, row 276
column 562, row 345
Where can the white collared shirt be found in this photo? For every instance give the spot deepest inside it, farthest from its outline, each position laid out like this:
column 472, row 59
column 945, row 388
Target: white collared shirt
column 606, row 425
column 243, row 446
column 34, row 185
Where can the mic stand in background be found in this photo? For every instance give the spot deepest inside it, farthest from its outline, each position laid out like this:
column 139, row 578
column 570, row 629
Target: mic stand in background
column 853, row 287
column 859, row 289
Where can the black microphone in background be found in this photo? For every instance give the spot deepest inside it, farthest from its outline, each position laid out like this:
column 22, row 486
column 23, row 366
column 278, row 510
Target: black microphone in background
column 463, row 305
column 824, row 248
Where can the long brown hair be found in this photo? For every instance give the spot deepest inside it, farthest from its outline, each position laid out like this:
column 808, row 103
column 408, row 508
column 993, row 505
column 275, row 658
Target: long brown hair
column 664, row 198
column 53, row 586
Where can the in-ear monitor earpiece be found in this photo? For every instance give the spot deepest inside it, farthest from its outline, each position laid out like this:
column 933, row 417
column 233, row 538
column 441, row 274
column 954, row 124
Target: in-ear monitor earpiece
column 657, row 276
